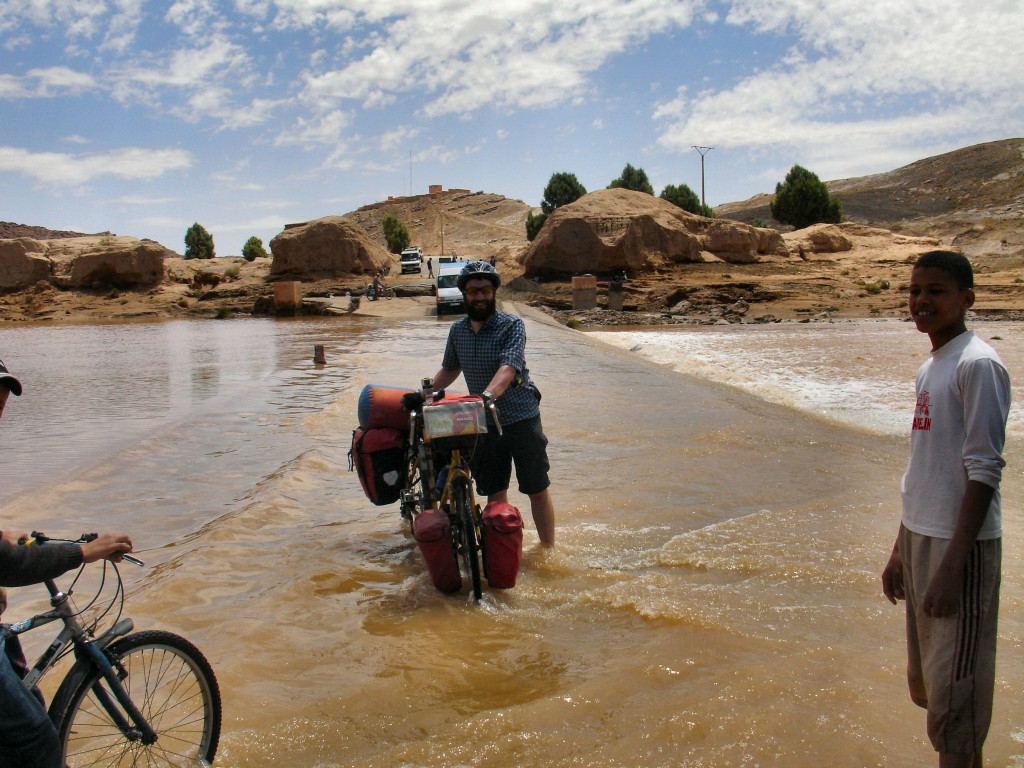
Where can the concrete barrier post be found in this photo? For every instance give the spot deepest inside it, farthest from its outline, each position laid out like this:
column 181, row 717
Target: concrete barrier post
column 584, row 292
column 288, row 294
column 616, row 295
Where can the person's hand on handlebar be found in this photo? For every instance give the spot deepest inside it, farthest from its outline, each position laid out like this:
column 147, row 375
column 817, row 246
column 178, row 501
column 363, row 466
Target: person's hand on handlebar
column 106, row 546
column 412, row 401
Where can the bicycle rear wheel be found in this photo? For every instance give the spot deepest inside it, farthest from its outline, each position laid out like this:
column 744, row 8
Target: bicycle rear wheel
column 469, row 536
column 171, row 683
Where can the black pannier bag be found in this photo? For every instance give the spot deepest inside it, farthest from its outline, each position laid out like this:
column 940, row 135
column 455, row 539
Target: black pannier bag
column 378, row 456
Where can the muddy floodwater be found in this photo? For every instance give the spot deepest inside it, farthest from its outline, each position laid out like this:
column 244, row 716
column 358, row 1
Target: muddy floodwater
column 725, row 499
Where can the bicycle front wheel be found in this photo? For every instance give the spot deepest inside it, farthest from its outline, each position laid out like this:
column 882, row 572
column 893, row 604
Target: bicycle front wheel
column 469, row 543
column 173, row 686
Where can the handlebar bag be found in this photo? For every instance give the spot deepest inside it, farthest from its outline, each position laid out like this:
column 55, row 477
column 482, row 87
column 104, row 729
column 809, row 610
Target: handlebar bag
column 502, row 544
column 454, row 421
column 380, row 407
column 433, row 533
column 378, row 456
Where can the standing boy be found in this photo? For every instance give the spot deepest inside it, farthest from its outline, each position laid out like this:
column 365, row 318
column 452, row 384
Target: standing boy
column 947, row 557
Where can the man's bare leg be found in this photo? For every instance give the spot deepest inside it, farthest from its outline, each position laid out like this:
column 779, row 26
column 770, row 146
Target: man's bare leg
column 543, row 513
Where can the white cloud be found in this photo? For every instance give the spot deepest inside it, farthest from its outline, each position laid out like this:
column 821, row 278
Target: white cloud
column 123, row 25
column 58, row 168
column 519, row 54
column 143, row 201
column 46, row 83
column 389, row 140
column 328, row 129
column 863, row 80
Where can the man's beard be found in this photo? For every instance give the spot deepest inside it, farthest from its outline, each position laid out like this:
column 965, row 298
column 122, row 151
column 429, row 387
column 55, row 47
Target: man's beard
column 479, row 313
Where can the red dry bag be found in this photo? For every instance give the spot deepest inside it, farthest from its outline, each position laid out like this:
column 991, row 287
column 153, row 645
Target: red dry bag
column 433, row 533
column 378, row 456
column 503, row 544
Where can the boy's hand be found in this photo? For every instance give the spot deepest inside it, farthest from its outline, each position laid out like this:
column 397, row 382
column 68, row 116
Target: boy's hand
column 892, row 578
column 943, row 595
column 107, row 546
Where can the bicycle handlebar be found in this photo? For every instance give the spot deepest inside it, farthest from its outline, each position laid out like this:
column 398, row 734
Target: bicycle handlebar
column 38, row 537
column 414, row 401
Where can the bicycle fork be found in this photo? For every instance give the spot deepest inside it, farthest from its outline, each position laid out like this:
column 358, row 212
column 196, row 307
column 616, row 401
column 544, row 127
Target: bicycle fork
column 112, row 672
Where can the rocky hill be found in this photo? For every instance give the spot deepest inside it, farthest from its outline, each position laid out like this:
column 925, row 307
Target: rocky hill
column 475, row 225
column 9, row 230
column 971, row 198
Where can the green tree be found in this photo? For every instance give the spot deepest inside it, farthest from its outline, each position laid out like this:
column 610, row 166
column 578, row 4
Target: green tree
column 198, row 243
column 687, row 199
column 634, row 179
column 395, row 234
column 803, row 200
column 533, row 224
column 253, row 249
column 563, row 188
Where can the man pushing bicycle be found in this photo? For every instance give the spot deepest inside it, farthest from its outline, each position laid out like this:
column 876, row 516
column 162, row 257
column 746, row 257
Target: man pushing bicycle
column 489, row 349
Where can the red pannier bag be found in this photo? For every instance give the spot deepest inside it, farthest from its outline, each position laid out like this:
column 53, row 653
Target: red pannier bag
column 503, row 544
column 379, row 459
column 433, row 533
column 380, row 407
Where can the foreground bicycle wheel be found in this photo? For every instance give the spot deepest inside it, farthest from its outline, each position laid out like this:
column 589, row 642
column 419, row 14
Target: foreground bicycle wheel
column 469, row 541
column 171, row 683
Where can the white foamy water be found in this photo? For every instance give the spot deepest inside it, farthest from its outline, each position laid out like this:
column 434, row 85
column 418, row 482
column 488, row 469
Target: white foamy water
column 859, row 373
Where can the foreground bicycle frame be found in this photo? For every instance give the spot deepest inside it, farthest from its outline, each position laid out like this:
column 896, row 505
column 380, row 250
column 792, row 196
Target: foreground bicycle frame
column 454, row 494
column 148, row 698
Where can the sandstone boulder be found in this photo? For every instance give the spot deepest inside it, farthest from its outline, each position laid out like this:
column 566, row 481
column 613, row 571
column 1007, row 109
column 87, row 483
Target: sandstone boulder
column 612, row 230
column 22, row 263
column 327, row 247
column 819, row 238
column 82, row 262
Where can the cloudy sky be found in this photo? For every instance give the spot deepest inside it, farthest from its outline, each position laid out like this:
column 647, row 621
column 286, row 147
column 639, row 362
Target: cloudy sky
column 142, row 117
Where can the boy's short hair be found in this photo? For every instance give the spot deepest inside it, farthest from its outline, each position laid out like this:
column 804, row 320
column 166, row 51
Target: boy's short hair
column 952, row 263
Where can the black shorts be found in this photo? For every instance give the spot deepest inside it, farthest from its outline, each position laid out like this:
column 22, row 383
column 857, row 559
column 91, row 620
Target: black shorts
column 523, row 443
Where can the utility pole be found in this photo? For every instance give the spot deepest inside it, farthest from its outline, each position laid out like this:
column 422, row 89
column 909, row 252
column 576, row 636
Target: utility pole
column 703, row 151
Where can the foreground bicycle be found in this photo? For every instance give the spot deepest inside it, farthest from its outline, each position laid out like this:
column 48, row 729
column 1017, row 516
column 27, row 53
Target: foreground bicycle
column 437, row 473
column 148, row 698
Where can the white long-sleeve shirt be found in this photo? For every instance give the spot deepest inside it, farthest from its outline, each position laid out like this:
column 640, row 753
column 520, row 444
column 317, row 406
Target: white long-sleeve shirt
column 963, row 399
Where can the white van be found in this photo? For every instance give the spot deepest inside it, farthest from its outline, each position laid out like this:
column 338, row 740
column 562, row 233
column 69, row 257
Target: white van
column 449, row 297
column 412, row 260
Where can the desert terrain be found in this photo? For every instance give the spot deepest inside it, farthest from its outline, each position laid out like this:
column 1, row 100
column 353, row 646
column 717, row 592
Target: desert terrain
column 971, row 200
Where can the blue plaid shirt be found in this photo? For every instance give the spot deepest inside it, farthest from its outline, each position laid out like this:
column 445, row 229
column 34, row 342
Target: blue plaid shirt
column 501, row 341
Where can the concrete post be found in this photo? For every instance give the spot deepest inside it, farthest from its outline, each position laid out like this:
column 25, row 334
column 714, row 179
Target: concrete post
column 616, row 295
column 288, row 294
column 584, row 292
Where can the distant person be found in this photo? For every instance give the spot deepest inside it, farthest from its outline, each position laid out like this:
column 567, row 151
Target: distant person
column 489, row 348
column 430, row 266
column 493, row 260
column 378, row 285
column 946, row 562
column 28, row 738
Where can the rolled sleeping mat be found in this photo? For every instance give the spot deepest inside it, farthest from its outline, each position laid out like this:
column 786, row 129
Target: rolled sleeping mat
column 380, row 407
